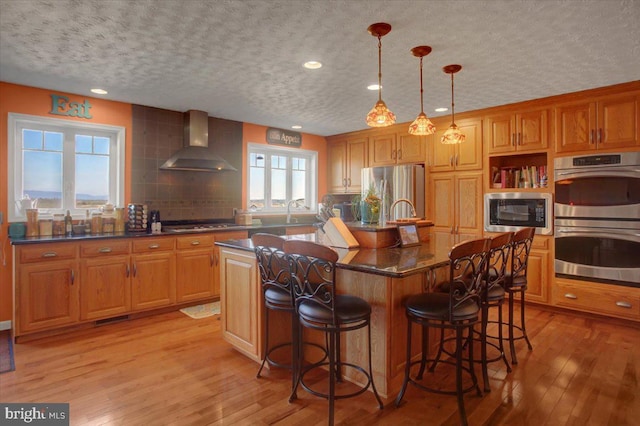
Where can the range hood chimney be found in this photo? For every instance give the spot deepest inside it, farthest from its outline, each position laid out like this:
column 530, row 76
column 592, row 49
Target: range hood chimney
column 196, row 156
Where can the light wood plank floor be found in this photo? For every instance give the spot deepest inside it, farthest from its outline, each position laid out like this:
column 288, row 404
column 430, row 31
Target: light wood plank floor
column 170, row 369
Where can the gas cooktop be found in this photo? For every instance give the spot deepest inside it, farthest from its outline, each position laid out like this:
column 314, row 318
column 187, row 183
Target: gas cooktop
column 199, row 227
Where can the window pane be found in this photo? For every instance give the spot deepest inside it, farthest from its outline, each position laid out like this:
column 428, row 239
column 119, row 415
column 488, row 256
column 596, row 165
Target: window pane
column 298, row 185
column 92, row 180
column 84, row 144
column 256, row 189
column 278, row 188
column 31, row 139
column 101, row 145
column 53, row 141
column 42, row 178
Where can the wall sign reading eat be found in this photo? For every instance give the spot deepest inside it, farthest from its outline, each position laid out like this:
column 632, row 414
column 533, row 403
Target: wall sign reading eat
column 60, row 105
column 283, row 137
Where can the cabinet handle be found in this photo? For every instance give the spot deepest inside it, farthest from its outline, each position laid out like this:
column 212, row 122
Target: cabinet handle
column 211, row 259
column 73, row 277
column 451, row 232
column 105, row 250
column 599, row 135
column 456, row 229
column 128, row 270
column 519, row 138
column 570, row 296
column 349, row 182
column 135, row 270
column 217, row 259
column 513, row 139
column 49, row 254
column 456, row 157
column 451, row 160
column 399, row 154
column 624, row 305
column 195, row 243
column 154, row 246
column 592, row 136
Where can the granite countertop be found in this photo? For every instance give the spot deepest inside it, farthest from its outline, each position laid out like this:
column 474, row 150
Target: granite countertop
column 392, row 262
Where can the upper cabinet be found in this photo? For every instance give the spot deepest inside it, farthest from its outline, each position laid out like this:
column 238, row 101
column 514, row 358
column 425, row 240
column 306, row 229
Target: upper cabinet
column 601, row 123
column 396, row 148
column 518, row 132
column 346, row 158
column 465, row 156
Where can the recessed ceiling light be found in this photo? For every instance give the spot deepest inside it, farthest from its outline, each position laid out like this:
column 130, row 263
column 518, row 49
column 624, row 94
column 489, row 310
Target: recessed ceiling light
column 312, row 65
column 373, row 87
column 441, row 109
column 296, row 126
column 99, row 91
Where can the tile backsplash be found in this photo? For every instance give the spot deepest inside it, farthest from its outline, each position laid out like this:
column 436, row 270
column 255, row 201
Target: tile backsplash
column 183, row 195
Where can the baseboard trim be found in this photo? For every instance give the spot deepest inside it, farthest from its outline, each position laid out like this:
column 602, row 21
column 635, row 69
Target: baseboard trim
column 5, row 325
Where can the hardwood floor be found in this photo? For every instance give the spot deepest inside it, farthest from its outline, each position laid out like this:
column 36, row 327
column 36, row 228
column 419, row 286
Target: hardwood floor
column 170, row 369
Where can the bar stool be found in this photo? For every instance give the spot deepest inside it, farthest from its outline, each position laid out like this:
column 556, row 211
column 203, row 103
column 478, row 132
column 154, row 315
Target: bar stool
column 516, row 283
column 319, row 308
column 274, row 274
column 457, row 310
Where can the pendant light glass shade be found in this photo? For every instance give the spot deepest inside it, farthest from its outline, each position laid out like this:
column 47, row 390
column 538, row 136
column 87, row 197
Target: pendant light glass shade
column 453, row 135
column 421, row 126
column 380, row 115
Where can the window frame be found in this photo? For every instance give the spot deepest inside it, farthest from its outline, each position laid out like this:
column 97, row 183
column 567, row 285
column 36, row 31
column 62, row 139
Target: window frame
column 16, row 122
column 311, row 184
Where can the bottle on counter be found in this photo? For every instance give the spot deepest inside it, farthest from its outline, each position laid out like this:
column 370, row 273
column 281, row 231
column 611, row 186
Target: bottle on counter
column 87, row 224
column 68, row 225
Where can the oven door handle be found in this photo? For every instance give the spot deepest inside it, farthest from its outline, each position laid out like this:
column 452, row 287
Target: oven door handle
column 598, row 233
column 621, row 172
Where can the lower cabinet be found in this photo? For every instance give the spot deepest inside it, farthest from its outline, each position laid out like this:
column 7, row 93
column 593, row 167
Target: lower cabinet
column 153, row 275
column 240, row 307
column 195, row 267
column 607, row 299
column 538, row 270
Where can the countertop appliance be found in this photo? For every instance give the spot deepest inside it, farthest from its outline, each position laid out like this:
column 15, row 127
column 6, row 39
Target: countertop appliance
column 406, row 181
column 597, row 218
column 511, row 211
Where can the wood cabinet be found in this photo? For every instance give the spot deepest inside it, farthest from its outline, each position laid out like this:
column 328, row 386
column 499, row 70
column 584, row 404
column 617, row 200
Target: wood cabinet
column 538, row 270
column 194, row 267
column 153, row 273
column 456, row 206
column 240, row 307
column 600, row 123
column 464, row 156
column 346, row 159
column 599, row 298
column 105, row 279
column 46, row 287
column 396, row 148
column 518, row 132
column 221, row 236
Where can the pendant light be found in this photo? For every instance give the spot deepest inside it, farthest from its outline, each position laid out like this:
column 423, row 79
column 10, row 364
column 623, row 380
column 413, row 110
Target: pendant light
column 453, row 135
column 380, row 116
column 421, row 126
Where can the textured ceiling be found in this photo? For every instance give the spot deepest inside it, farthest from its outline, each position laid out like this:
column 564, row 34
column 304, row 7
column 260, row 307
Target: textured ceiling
column 241, row 60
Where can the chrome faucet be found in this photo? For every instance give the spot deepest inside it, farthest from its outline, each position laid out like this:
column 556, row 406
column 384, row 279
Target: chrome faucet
column 296, row 203
column 402, row 200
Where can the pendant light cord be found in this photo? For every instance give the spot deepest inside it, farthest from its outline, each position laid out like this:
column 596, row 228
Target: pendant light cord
column 453, row 110
column 421, row 91
column 379, row 68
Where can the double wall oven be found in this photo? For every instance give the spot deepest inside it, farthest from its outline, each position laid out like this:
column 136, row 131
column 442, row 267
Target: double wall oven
column 597, row 218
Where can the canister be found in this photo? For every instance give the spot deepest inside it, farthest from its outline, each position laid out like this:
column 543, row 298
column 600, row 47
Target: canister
column 58, row 225
column 119, row 226
column 32, row 223
column 96, row 223
column 45, row 227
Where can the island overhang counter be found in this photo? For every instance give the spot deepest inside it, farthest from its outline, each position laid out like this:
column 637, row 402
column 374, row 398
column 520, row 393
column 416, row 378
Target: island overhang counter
column 383, row 277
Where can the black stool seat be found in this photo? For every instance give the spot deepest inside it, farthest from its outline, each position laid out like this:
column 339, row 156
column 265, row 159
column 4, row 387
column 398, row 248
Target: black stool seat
column 278, row 299
column 435, row 306
column 349, row 309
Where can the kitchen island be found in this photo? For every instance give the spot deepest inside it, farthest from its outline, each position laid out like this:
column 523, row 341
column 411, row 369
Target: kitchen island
column 383, row 277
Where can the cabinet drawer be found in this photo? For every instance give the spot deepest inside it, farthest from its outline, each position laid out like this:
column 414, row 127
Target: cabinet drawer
column 599, row 300
column 47, row 252
column 195, row 241
column 104, row 248
column 230, row 235
column 148, row 245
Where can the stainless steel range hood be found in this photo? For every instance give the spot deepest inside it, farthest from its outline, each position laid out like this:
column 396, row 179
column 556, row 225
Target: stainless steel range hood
column 196, row 156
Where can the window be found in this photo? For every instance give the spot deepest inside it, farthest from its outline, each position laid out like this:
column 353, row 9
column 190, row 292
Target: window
column 278, row 176
column 64, row 165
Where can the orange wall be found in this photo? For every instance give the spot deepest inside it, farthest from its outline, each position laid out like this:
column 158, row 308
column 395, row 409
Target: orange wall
column 33, row 101
column 253, row 133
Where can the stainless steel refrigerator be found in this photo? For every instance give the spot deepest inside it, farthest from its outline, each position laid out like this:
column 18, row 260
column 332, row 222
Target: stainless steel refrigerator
column 398, row 182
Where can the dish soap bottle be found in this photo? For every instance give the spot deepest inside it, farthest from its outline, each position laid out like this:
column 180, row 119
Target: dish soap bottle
column 68, row 225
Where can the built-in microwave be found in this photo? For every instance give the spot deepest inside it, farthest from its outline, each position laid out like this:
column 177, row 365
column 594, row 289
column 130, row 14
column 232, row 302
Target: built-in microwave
column 511, row 211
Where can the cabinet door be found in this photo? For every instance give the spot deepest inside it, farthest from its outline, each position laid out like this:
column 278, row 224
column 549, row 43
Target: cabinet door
column 468, row 206
column 239, row 296
column 501, row 133
column 46, row 295
column 383, row 150
column 442, row 155
column 153, row 280
column 357, row 159
column 337, row 159
column 575, row 127
column 468, row 155
column 532, row 130
column 618, row 122
column 442, row 203
column 537, row 276
column 194, row 275
column 411, row 149
column 106, row 287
